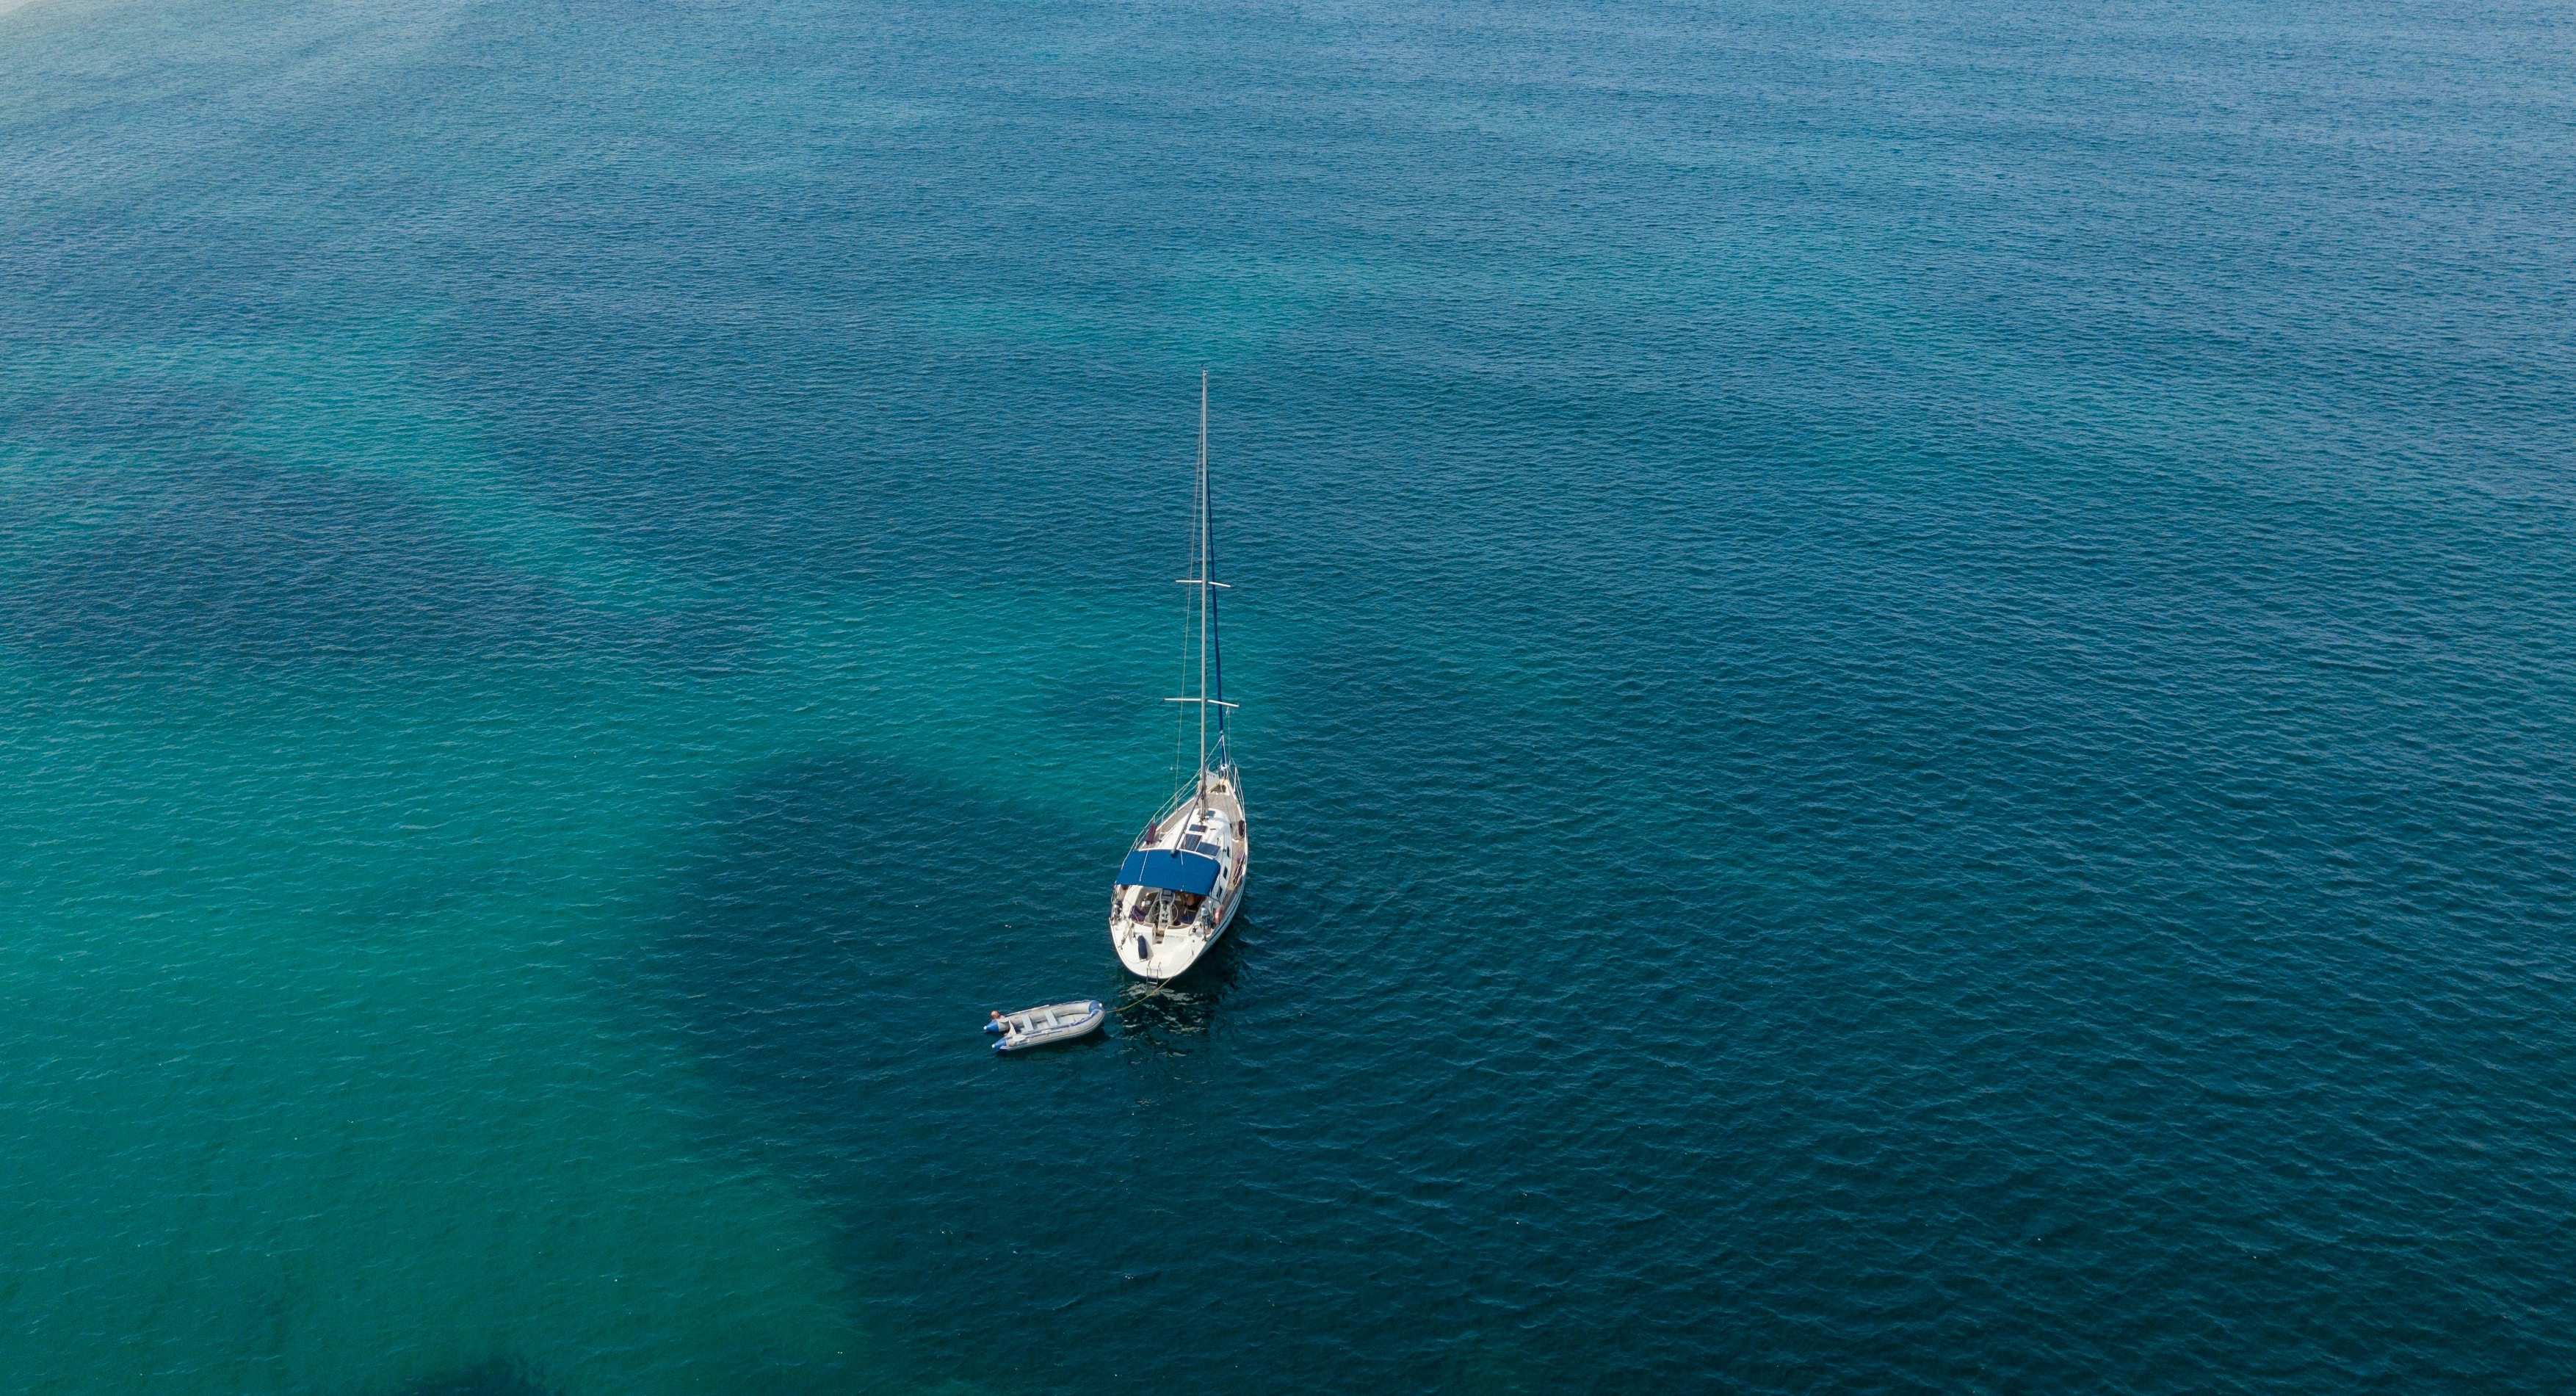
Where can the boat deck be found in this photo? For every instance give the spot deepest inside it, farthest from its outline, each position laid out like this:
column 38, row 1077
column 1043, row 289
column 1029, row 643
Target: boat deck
column 1154, row 947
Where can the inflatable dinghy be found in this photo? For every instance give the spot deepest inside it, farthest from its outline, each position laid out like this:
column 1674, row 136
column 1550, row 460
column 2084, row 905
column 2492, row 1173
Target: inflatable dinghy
column 1055, row 1022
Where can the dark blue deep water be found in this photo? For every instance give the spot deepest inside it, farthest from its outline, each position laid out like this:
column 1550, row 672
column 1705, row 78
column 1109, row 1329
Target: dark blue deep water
column 1908, row 677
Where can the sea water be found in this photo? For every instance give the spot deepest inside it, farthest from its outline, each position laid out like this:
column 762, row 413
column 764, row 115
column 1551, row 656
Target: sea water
column 1908, row 688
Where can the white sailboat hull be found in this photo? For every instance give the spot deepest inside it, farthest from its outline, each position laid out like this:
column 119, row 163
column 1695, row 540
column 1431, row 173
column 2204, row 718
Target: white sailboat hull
column 1182, row 880
column 1159, row 934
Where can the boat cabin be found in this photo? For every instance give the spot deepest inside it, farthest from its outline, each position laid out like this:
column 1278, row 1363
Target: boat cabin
column 1170, row 884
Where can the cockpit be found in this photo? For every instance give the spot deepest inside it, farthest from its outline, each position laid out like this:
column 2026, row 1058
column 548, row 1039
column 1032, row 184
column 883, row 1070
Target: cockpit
column 1168, row 886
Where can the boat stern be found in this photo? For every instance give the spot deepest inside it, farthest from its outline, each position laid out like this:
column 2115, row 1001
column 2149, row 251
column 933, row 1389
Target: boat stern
column 1149, row 956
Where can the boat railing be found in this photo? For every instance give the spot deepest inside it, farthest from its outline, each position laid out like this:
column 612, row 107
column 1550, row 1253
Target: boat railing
column 1180, row 800
column 1186, row 795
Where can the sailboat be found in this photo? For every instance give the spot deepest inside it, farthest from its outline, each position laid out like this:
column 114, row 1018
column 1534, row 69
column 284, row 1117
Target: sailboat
column 1183, row 878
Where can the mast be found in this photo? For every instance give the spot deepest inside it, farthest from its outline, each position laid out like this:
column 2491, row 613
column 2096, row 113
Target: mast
column 1211, row 656
column 1207, row 602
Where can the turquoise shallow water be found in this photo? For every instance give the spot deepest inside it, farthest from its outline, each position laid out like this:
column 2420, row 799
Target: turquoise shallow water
column 1909, row 678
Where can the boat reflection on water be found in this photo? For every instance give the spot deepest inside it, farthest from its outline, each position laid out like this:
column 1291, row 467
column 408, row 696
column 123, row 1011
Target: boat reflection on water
column 1170, row 1018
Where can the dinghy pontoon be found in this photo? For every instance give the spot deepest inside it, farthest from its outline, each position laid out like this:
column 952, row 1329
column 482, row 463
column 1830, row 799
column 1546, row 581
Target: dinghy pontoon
column 1054, row 1022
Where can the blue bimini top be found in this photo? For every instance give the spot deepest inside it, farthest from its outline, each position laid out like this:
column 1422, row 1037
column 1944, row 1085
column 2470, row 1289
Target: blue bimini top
column 1194, row 873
